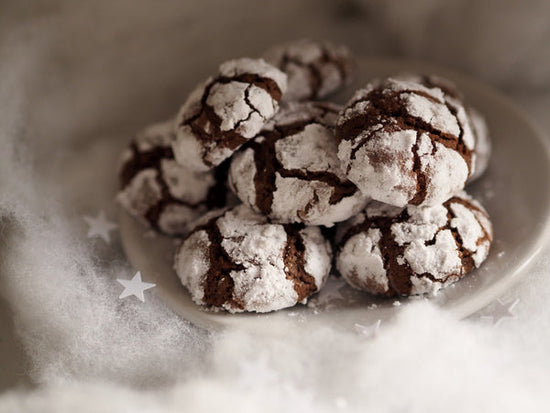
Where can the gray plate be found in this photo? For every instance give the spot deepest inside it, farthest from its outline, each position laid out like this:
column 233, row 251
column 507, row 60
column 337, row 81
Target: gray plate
column 514, row 190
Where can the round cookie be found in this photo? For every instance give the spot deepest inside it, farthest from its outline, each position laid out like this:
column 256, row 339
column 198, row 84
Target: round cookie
column 236, row 260
column 483, row 143
column 315, row 69
column 394, row 251
column 159, row 192
column 405, row 143
column 291, row 172
column 475, row 119
column 225, row 111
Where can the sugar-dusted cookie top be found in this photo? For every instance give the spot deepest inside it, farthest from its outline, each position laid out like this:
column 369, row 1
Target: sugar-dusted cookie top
column 236, row 260
column 291, row 172
column 315, row 69
column 159, row 192
column 393, row 251
column 225, row 111
column 405, row 143
column 472, row 120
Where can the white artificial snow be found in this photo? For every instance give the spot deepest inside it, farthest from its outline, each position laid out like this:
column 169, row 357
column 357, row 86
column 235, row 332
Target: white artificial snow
column 90, row 352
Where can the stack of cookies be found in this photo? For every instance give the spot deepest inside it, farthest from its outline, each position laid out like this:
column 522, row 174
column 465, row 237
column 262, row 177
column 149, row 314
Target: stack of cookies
column 262, row 181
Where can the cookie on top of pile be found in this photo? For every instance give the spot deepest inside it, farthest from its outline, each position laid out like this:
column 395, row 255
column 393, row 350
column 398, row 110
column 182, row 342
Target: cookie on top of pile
column 253, row 167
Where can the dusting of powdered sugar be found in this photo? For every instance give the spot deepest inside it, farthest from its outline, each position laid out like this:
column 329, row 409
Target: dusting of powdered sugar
column 256, row 251
column 482, row 142
column 142, row 193
column 309, row 185
column 397, row 156
column 192, row 263
column 361, row 263
column 419, row 243
column 185, row 184
column 225, row 111
column 314, row 69
column 160, row 192
column 318, row 254
column 156, row 135
column 383, row 165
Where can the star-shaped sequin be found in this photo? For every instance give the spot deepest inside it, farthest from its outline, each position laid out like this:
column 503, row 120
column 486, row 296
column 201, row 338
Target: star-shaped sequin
column 500, row 311
column 100, row 226
column 134, row 287
column 369, row 331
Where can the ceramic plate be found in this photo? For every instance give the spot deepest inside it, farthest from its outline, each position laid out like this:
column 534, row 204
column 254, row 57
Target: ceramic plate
column 514, row 190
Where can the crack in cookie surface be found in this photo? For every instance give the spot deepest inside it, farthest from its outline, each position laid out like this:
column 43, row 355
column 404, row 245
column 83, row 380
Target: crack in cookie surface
column 152, row 159
column 218, row 284
column 295, row 262
column 382, row 111
column 268, row 166
column 399, row 272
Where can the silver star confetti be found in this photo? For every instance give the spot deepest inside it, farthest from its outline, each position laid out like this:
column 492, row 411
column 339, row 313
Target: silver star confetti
column 100, row 226
column 501, row 311
column 369, row 331
column 134, row 287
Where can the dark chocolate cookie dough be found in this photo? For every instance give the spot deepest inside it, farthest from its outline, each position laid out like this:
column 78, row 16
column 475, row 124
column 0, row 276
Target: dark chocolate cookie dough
column 394, row 251
column 236, row 260
column 291, row 172
column 225, row 111
column 405, row 143
column 159, row 192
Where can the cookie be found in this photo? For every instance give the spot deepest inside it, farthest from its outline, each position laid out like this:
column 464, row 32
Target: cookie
column 159, row 192
column 405, row 143
column 315, row 69
column 236, row 260
column 225, row 111
column 291, row 172
column 393, row 251
column 483, row 143
column 476, row 121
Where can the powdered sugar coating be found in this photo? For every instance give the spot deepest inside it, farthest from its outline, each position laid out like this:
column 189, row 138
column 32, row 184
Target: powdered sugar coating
column 225, row 111
column 403, row 142
column 291, row 172
column 314, row 69
column 237, row 261
column 158, row 191
column 414, row 250
column 483, row 142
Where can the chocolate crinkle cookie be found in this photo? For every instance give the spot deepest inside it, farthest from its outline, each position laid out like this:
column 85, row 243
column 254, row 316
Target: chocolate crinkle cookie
column 393, row 251
column 291, row 172
column 483, row 143
column 159, row 192
column 315, row 69
column 402, row 142
column 236, row 260
column 225, row 111
column 476, row 120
